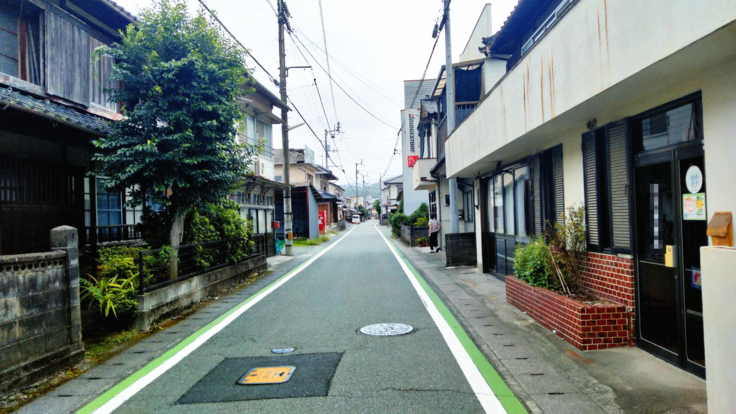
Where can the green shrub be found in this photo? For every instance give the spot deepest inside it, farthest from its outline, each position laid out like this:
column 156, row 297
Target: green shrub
column 422, row 241
column 401, row 207
column 397, row 221
column 532, row 264
column 116, row 294
column 421, row 212
column 421, row 222
column 214, row 222
column 568, row 243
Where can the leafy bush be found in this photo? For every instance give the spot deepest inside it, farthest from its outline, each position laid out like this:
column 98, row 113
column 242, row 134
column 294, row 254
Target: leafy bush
column 568, row 246
column 401, row 207
column 215, row 222
column 421, row 212
column 116, row 294
column 421, row 222
column 532, row 264
column 397, row 221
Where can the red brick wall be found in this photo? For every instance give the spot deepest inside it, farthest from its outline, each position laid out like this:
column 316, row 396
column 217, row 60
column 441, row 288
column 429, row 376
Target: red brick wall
column 611, row 277
column 586, row 327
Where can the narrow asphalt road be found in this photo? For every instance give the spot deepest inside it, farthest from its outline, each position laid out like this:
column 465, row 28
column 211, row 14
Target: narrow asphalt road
column 317, row 309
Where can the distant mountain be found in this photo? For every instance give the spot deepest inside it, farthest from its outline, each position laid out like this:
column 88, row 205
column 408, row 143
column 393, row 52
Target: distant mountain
column 372, row 190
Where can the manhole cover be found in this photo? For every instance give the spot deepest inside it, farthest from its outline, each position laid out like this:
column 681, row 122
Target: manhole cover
column 386, row 329
column 283, row 350
column 266, row 375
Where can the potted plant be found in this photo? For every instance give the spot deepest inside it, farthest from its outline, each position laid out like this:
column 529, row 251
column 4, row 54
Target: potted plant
column 423, row 241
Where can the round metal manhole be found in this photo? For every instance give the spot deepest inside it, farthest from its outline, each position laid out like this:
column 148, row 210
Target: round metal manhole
column 283, row 350
column 386, row 329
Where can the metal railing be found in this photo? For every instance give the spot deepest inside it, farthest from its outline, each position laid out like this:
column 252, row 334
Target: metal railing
column 117, row 232
column 193, row 259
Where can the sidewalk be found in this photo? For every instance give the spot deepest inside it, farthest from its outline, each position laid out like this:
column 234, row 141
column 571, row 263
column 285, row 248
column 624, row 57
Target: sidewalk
column 546, row 373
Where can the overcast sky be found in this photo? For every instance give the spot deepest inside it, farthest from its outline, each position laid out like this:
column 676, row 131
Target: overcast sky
column 375, row 46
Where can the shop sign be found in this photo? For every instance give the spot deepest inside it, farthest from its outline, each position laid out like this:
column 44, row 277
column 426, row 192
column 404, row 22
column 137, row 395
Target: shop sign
column 696, row 279
column 694, row 179
column 693, row 206
column 411, row 160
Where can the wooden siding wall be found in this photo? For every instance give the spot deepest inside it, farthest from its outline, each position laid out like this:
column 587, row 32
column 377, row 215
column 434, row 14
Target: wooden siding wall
column 69, row 62
column 101, row 72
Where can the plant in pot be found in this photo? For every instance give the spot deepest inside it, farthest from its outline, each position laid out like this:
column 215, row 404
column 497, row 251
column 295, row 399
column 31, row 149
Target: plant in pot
column 423, row 241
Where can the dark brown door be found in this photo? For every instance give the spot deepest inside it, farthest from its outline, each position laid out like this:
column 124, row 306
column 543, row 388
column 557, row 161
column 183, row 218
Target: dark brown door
column 33, row 200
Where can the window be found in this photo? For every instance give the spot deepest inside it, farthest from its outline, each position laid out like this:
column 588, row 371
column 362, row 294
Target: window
column 21, row 45
column 606, row 179
column 671, row 125
column 279, row 179
column 468, row 207
column 508, row 202
column 523, row 214
column 310, row 178
column 548, row 199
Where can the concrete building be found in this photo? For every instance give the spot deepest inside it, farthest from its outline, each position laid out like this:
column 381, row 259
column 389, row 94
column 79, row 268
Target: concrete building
column 601, row 105
column 474, row 74
column 390, row 191
column 414, row 91
column 256, row 199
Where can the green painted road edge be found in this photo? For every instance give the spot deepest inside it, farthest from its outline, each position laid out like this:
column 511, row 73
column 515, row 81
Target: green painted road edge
column 130, row 380
column 497, row 384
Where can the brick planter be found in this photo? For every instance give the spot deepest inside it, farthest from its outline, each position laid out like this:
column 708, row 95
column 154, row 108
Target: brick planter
column 586, row 327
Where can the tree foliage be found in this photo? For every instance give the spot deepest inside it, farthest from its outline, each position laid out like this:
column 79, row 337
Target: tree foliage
column 180, row 78
column 377, row 206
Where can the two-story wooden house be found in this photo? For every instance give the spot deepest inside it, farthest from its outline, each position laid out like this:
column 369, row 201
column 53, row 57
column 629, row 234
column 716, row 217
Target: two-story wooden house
column 52, row 105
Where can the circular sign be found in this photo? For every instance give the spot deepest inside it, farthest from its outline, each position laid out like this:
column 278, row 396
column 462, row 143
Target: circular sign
column 386, row 329
column 694, row 179
column 283, row 350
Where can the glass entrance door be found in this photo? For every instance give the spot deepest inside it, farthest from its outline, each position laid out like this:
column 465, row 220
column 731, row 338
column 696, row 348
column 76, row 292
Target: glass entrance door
column 671, row 228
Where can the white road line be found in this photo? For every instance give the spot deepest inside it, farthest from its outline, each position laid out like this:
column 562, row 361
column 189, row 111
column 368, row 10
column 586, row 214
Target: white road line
column 126, row 394
column 480, row 387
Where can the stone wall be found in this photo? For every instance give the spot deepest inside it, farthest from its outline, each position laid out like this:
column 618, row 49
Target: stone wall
column 460, row 249
column 161, row 301
column 586, row 327
column 40, row 326
column 410, row 234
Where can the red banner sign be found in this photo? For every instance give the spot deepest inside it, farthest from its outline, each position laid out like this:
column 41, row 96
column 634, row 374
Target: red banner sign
column 412, row 159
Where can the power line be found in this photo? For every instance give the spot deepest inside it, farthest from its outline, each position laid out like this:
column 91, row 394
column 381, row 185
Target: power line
column 322, row 103
column 324, row 36
column 375, row 88
column 238, row 41
column 337, row 84
column 321, row 144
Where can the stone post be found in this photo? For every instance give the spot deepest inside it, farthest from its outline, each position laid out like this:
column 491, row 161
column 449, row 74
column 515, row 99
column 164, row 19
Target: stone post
column 65, row 238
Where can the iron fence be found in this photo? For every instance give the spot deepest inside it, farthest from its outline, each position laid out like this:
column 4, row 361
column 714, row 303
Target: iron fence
column 193, row 259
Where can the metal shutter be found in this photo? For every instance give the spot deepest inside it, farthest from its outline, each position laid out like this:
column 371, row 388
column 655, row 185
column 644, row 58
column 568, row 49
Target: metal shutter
column 591, row 191
column 558, row 184
column 537, row 195
column 619, row 183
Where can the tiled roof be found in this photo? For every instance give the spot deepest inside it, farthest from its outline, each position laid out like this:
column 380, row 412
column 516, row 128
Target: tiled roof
column 54, row 110
column 394, row 180
column 121, row 9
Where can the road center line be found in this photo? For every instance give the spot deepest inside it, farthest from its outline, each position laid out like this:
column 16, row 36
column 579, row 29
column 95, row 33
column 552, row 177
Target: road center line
column 116, row 396
column 462, row 347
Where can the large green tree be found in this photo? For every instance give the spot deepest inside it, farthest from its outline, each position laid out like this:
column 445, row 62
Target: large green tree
column 176, row 146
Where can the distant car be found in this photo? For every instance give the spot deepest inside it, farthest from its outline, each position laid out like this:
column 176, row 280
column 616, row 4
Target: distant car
column 356, row 219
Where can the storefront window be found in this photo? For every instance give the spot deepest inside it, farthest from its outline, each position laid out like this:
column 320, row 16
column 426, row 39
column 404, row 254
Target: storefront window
column 671, row 127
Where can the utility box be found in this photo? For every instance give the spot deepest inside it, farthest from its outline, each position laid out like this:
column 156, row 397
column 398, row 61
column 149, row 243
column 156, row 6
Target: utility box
column 720, row 229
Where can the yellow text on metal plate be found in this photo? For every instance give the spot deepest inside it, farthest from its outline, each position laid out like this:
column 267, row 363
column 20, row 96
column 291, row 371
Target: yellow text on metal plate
column 267, row 375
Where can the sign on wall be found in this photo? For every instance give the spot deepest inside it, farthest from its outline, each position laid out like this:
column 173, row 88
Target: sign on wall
column 693, row 206
column 410, row 133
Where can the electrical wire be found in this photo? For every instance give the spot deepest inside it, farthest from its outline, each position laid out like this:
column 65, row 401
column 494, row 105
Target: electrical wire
column 238, row 41
column 337, row 84
column 329, row 73
column 321, row 144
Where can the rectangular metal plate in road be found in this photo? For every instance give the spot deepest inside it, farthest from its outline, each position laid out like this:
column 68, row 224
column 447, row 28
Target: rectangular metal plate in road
column 267, row 375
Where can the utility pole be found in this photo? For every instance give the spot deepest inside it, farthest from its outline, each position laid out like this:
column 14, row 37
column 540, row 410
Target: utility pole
column 357, row 189
column 288, row 215
column 327, row 150
column 450, row 93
